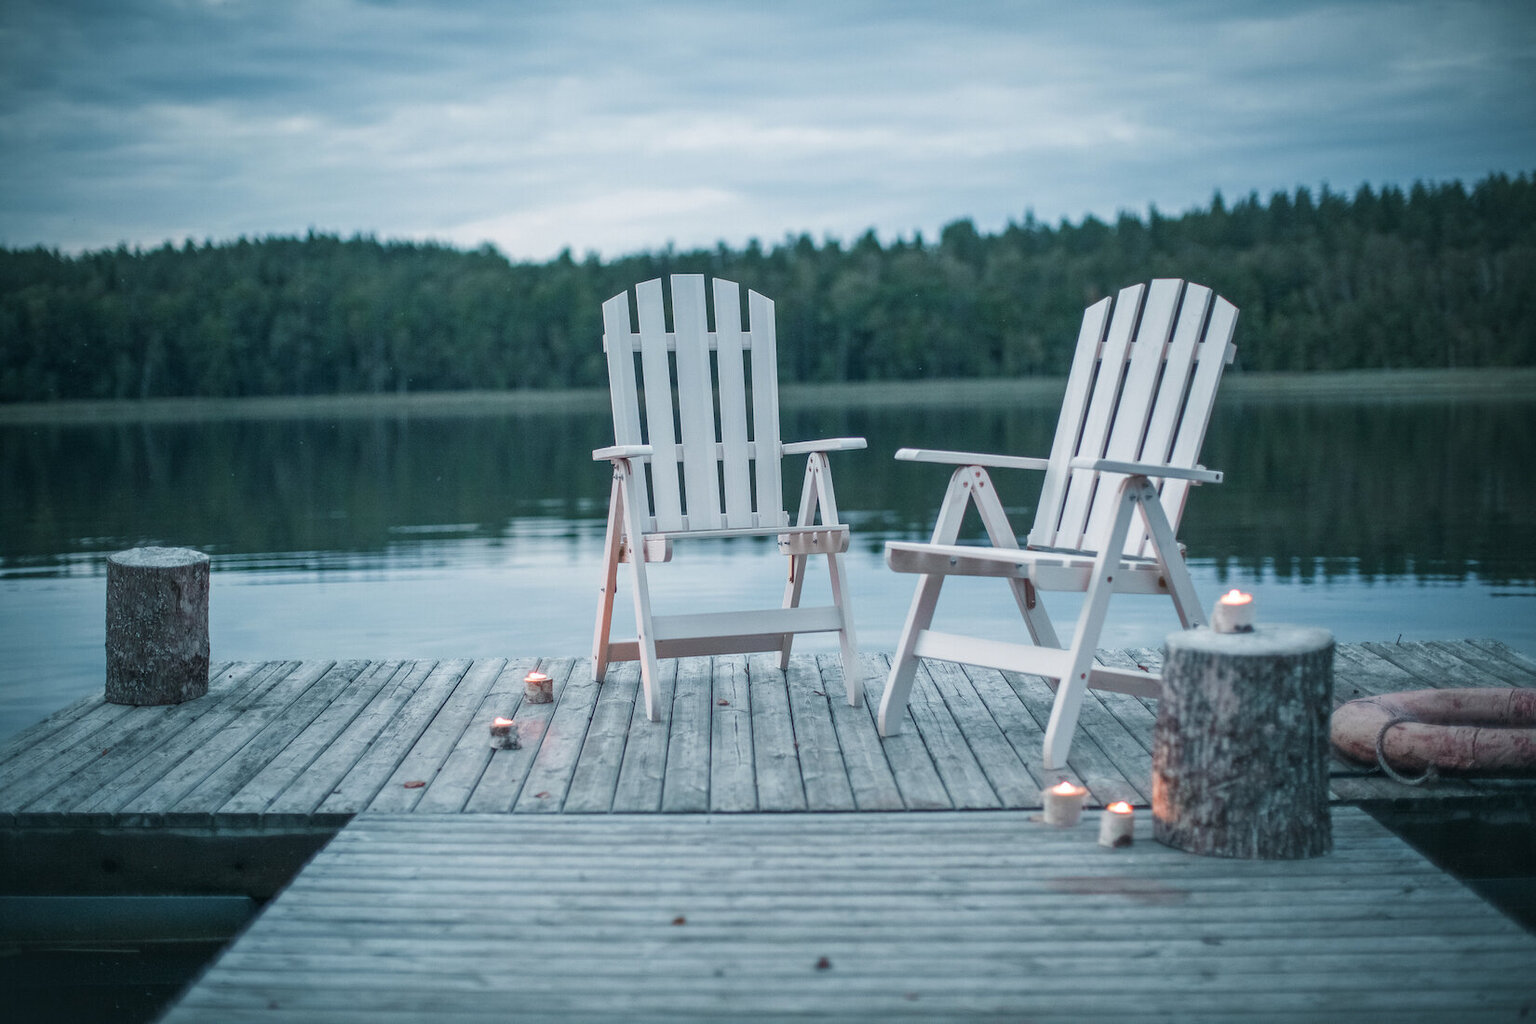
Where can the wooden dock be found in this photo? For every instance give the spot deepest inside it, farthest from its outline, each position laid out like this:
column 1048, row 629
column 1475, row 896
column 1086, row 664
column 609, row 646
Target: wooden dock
column 456, row 881
column 287, row 745
column 856, row 917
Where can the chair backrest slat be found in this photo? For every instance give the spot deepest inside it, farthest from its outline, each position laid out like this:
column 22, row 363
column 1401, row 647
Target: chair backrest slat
column 679, row 380
column 619, row 344
column 1069, row 425
column 765, row 411
column 1214, row 353
column 656, row 367
column 695, row 402
column 735, row 461
column 1141, row 390
column 1082, row 485
column 1143, row 366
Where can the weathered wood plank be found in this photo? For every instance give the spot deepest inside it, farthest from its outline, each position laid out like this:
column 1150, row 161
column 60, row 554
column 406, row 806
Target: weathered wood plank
column 501, row 783
column 549, row 777
column 137, row 738
column 732, row 782
column 450, row 787
column 863, row 752
column 1088, row 765
column 643, row 774
column 249, row 683
column 1018, row 727
column 916, row 775
column 327, row 776
column 293, row 761
column 204, row 799
column 1493, row 668
column 424, row 690
column 271, row 704
column 964, row 780
column 438, row 739
column 823, row 762
column 686, row 787
column 1008, row 776
column 58, row 753
column 596, row 778
column 775, row 747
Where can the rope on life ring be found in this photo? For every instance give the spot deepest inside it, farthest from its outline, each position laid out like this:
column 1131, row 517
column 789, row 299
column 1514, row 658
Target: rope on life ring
column 1387, row 769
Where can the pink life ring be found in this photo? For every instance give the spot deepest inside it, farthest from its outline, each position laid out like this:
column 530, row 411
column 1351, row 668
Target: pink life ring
column 1488, row 731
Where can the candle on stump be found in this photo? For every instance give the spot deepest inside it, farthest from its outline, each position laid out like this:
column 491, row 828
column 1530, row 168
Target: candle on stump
column 503, row 733
column 1117, row 826
column 1234, row 613
column 538, row 688
column 1063, row 803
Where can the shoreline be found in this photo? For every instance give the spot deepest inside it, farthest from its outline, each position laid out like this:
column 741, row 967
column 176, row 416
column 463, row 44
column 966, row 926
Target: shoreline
column 1500, row 383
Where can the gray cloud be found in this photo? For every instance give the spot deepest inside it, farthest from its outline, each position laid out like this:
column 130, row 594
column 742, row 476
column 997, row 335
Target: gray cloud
column 616, row 126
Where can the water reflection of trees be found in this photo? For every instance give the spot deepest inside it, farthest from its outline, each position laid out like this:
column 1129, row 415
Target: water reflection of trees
column 1432, row 490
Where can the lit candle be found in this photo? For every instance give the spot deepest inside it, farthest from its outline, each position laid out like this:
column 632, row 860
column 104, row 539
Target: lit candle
column 1063, row 803
column 1117, row 826
column 538, row 688
column 1233, row 613
column 503, row 734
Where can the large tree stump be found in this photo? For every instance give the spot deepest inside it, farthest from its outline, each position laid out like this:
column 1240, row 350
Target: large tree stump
column 1240, row 748
column 157, row 626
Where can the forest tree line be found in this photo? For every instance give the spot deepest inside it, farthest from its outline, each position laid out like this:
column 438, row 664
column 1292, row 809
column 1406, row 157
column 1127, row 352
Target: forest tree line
column 1439, row 275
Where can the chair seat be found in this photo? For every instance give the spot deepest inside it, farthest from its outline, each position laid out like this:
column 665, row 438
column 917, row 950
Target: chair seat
column 1047, row 569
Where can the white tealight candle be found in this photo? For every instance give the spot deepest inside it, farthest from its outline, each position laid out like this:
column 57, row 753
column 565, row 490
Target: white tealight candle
column 1063, row 803
column 1233, row 613
column 1117, row 826
column 503, row 734
column 538, row 688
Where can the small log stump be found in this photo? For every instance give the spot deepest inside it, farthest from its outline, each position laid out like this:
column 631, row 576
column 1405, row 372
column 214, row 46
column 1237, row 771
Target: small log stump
column 157, row 626
column 1240, row 748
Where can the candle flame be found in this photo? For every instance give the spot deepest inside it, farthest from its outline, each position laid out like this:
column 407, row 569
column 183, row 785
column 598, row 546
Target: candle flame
column 535, row 677
column 1236, row 597
column 1065, row 788
column 501, row 723
column 1119, row 807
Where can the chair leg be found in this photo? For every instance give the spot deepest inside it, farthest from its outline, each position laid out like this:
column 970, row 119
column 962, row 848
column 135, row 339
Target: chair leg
column 946, row 528
column 853, row 675
column 898, row 684
column 603, row 632
column 797, row 563
column 1000, row 533
column 1074, row 684
column 645, row 635
column 1180, row 587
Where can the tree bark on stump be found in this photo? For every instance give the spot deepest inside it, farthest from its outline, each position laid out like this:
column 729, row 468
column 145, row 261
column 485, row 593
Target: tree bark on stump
column 1240, row 748
column 157, row 626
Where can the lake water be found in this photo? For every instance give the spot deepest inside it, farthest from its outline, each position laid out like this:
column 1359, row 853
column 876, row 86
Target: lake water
column 477, row 531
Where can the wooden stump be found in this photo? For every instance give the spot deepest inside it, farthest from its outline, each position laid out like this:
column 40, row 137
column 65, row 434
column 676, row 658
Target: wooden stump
column 157, row 626
column 1240, row 749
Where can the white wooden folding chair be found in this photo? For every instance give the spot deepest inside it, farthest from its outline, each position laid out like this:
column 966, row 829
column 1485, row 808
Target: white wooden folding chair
column 687, row 467
column 1138, row 400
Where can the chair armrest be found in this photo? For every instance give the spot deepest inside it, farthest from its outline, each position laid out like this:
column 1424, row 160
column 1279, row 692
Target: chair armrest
column 1198, row 474
column 970, row 459
column 622, row 451
column 831, row 444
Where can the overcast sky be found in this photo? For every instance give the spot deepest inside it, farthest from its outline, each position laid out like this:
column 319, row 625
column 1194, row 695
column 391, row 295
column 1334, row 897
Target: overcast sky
column 619, row 127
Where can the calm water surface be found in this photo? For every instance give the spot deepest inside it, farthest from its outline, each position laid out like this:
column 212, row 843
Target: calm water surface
column 434, row 535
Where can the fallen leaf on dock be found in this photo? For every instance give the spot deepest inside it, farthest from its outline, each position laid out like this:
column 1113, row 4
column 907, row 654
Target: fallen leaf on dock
column 414, row 784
